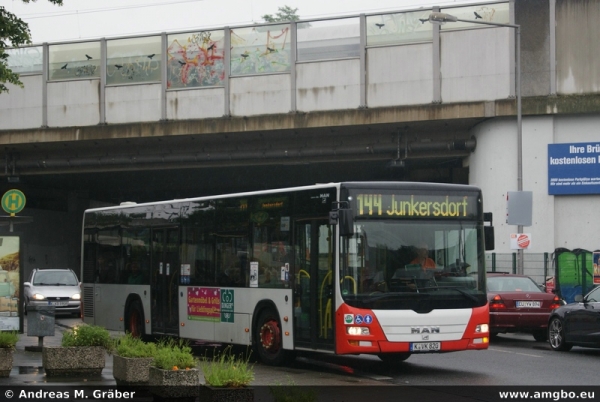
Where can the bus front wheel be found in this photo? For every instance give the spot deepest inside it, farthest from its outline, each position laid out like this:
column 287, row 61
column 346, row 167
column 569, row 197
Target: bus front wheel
column 135, row 320
column 268, row 339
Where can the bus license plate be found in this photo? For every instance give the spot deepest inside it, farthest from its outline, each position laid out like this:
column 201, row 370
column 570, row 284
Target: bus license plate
column 425, row 347
column 528, row 304
column 58, row 303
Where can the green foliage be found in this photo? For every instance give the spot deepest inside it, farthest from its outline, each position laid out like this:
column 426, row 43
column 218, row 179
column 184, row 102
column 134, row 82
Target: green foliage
column 174, row 354
column 285, row 13
column 227, row 370
column 128, row 346
column 14, row 32
column 8, row 339
column 88, row 335
column 290, row 392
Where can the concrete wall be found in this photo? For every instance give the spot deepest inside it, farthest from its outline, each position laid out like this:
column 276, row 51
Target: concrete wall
column 22, row 107
column 195, row 104
column 73, row 103
column 260, row 94
column 133, row 103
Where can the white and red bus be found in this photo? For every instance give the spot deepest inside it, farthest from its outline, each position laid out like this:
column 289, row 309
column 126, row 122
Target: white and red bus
column 329, row 268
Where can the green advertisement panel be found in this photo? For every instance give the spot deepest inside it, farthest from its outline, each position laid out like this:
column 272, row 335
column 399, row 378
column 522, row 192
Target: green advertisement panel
column 9, row 283
column 575, row 273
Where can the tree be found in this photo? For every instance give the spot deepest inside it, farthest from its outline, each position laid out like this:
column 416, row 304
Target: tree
column 285, row 13
column 14, row 32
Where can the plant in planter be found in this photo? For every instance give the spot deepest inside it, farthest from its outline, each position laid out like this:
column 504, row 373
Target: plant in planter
column 82, row 352
column 227, row 377
column 131, row 360
column 291, row 392
column 173, row 373
column 8, row 342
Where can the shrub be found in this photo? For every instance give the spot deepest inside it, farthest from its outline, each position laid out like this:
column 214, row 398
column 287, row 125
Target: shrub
column 174, row 355
column 290, row 392
column 128, row 346
column 225, row 370
column 87, row 335
column 8, row 339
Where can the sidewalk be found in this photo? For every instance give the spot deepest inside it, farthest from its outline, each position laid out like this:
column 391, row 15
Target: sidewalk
column 27, row 370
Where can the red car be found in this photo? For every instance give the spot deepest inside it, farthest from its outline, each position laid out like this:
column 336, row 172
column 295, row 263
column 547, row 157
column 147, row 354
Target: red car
column 518, row 304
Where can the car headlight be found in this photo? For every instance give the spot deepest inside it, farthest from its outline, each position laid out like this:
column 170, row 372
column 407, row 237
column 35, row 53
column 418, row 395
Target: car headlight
column 38, row 296
column 76, row 296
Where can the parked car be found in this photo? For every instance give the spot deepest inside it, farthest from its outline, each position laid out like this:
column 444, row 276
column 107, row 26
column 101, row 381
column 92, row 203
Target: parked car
column 518, row 304
column 576, row 324
column 53, row 287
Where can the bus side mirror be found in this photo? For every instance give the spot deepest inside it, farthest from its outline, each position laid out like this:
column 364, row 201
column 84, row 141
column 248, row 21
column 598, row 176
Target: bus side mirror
column 490, row 241
column 488, row 231
column 343, row 218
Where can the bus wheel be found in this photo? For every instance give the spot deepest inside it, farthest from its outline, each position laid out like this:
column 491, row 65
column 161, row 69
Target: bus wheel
column 392, row 359
column 135, row 320
column 268, row 340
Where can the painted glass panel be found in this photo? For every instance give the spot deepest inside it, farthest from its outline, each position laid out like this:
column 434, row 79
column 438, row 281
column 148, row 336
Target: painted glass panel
column 399, row 28
column 333, row 39
column 133, row 60
column 74, row 60
column 25, row 60
column 498, row 12
column 196, row 59
column 261, row 49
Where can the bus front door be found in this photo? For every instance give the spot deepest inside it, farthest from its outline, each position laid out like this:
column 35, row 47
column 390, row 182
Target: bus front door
column 165, row 280
column 313, row 317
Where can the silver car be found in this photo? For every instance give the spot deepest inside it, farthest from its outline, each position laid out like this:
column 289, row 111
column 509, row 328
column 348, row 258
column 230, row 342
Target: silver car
column 53, row 287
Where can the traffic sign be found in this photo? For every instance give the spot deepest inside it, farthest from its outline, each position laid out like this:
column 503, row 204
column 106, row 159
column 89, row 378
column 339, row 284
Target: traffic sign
column 13, row 201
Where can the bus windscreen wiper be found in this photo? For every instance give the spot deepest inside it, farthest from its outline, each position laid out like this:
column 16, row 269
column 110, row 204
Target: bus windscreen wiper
column 461, row 291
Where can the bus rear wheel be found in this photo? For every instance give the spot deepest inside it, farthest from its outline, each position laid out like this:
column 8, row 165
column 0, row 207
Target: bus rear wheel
column 268, row 339
column 135, row 320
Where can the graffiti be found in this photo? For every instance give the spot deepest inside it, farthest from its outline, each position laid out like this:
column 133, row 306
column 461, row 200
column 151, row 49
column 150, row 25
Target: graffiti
column 255, row 51
column 86, row 71
column 25, row 60
column 132, row 68
column 401, row 26
column 196, row 62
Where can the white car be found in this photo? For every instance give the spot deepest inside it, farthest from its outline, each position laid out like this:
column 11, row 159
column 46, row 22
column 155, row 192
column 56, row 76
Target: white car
column 53, row 287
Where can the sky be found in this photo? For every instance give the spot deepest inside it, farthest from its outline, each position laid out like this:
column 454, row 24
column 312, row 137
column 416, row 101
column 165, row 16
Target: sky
column 94, row 19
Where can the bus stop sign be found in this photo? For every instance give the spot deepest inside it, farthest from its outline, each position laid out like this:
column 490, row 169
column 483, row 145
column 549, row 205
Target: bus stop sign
column 13, row 201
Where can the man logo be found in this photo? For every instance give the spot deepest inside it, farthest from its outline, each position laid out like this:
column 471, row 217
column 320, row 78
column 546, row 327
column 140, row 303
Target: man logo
column 425, row 330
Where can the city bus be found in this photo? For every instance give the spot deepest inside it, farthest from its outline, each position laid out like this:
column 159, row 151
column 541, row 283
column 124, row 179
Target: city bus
column 327, row 268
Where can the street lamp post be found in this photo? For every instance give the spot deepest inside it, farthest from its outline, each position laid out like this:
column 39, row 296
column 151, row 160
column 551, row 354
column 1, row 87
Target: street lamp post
column 440, row 18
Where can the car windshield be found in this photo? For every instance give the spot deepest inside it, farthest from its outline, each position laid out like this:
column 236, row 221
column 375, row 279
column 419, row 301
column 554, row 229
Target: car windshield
column 511, row 284
column 61, row 278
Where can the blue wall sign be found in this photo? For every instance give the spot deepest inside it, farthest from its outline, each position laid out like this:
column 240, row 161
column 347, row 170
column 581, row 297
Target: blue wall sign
column 574, row 168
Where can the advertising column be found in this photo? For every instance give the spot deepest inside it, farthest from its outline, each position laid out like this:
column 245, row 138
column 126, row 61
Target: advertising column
column 9, row 283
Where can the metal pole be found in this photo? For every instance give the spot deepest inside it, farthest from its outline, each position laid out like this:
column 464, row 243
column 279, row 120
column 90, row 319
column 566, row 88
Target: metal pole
column 519, row 135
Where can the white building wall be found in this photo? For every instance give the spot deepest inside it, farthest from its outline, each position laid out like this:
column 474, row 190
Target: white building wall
column 133, row 103
column 401, row 75
column 73, row 103
column 568, row 221
column 203, row 103
column 22, row 107
column 328, row 85
column 260, row 94
column 475, row 64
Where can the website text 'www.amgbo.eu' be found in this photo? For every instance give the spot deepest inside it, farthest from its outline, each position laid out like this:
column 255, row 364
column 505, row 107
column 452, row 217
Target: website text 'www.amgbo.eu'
column 549, row 395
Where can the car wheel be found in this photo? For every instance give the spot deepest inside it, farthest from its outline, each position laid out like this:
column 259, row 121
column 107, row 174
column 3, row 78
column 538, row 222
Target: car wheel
column 556, row 335
column 393, row 359
column 540, row 336
column 268, row 339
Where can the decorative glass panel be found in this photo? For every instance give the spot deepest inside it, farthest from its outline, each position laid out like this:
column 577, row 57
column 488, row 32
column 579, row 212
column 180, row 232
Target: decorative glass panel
column 196, row 59
column 74, row 60
column 498, row 13
column 133, row 60
column 25, row 60
column 391, row 29
column 333, row 39
column 261, row 49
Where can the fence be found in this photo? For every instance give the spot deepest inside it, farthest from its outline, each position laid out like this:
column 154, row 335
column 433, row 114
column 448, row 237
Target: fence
column 538, row 266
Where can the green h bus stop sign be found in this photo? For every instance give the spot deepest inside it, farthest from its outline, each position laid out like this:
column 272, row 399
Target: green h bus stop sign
column 13, row 201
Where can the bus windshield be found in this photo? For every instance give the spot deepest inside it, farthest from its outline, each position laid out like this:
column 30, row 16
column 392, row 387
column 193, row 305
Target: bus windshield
column 413, row 265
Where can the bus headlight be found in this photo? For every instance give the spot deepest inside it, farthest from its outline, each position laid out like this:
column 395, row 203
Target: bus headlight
column 357, row 331
column 482, row 328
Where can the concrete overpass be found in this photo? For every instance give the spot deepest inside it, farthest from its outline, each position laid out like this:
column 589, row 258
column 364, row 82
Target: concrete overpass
column 366, row 97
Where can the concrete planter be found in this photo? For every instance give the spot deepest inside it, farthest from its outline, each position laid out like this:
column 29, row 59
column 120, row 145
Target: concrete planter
column 131, row 370
column 174, row 383
column 221, row 394
column 6, row 361
column 75, row 361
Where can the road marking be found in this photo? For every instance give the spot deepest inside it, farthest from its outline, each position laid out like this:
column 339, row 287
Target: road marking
column 514, row 353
